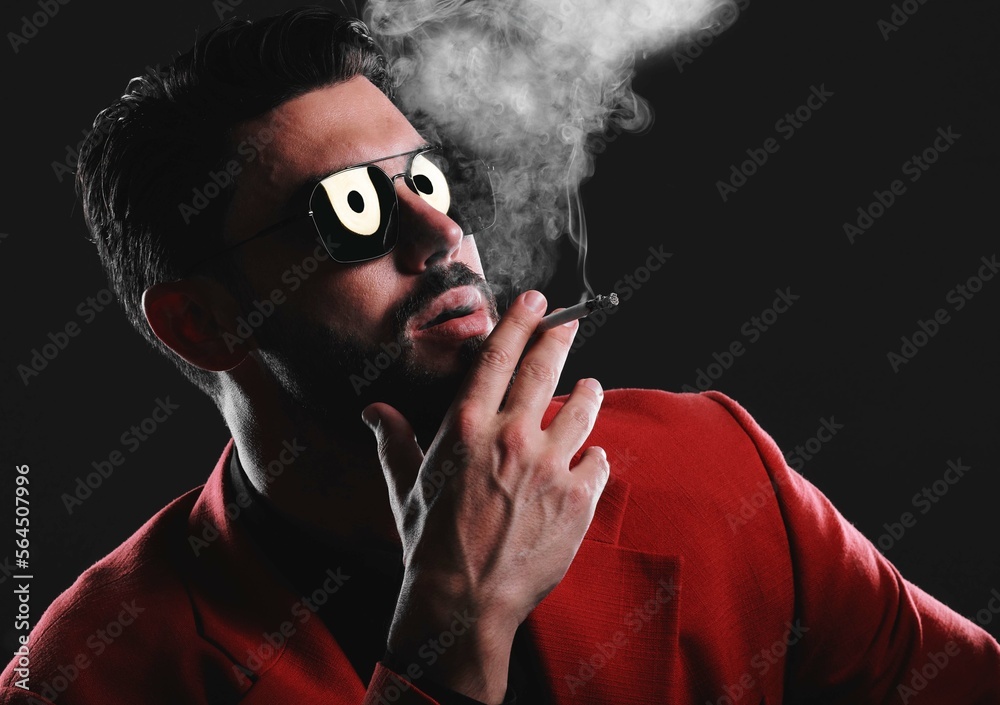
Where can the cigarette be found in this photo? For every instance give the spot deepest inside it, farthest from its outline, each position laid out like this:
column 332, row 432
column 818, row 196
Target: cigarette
column 579, row 311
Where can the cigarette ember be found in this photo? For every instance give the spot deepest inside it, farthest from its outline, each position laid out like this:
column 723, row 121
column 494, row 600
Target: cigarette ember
column 579, row 311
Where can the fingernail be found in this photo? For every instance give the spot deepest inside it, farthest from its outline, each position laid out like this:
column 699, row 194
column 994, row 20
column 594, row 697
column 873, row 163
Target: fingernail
column 534, row 300
column 370, row 418
column 593, row 384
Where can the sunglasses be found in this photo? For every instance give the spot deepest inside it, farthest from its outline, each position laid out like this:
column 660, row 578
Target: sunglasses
column 356, row 210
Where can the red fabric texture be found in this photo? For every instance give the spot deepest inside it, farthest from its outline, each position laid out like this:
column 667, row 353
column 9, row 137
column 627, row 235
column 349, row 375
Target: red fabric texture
column 711, row 573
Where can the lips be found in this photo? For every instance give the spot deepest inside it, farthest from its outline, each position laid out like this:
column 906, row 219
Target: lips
column 447, row 316
column 454, row 303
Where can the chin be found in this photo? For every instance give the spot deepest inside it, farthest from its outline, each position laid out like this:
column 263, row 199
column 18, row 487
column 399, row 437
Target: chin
column 443, row 361
column 423, row 387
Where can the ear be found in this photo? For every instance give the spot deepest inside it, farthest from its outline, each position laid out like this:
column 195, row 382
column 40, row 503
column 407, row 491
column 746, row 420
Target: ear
column 195, row 318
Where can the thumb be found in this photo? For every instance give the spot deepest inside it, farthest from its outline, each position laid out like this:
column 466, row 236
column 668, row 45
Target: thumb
column 398, row 451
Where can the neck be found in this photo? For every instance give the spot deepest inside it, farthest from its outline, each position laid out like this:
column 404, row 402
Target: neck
column 323, row 474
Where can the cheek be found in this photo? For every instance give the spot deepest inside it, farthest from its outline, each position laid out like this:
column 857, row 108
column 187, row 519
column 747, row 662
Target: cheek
column 358, row 300
column 470, row 254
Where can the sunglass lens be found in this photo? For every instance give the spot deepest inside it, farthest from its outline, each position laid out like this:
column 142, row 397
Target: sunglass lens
column 354, row 213
column 456, row 185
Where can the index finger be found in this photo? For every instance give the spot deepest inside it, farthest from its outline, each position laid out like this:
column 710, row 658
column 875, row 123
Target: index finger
column 487, row 381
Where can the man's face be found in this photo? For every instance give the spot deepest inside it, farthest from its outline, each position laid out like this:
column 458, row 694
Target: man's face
column 332, row 345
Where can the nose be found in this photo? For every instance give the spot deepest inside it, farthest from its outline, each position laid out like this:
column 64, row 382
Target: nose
column 427, row 237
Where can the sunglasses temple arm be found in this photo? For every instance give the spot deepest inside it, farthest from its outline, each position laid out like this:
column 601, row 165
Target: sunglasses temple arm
column 226, row 250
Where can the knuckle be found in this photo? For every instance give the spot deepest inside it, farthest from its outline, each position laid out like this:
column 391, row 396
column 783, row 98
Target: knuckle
column 539, row 371
column 382, row 444
column 514, row 439
column 549, row 464
column 466, row 420
column 525, row 323
column 496, row 358
column 564, row 333
column 580, row 417
column 578, row 496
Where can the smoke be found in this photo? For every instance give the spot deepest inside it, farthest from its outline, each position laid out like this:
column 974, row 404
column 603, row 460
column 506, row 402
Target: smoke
column 536, row 88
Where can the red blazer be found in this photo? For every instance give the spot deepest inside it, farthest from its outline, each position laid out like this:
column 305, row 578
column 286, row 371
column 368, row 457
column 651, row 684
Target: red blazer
column 712, row 573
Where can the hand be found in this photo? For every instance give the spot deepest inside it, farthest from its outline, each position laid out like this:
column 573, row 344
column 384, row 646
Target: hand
column 492, row 516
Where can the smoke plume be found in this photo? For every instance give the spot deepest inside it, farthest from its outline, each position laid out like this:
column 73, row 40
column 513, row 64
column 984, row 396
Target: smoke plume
column 536, row 88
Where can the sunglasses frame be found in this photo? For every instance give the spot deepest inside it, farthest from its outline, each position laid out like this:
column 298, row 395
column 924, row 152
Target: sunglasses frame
column 407, row 179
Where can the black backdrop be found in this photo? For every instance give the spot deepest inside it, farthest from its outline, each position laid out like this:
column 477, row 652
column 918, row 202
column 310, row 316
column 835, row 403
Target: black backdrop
column 825, row 358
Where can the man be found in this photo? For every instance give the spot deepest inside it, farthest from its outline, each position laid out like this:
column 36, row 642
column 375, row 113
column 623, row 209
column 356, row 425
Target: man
column 512, row 561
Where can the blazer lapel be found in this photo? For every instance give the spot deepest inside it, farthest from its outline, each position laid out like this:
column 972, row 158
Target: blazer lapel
column 251, row 614
column 609, row 631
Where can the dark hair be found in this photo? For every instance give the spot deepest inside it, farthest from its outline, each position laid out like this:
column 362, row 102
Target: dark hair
column 154, row 149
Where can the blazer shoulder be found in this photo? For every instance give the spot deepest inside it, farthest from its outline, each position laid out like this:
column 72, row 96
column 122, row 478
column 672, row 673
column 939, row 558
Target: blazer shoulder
column 143, row 558
column 132, row 597
column 634, row 410
column 655, row 437
column 659, row 403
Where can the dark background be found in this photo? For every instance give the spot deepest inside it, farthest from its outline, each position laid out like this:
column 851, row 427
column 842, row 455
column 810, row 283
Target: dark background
column 825, row 357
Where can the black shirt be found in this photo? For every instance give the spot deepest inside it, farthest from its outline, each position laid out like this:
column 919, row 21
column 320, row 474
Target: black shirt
column 359, row 614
